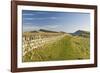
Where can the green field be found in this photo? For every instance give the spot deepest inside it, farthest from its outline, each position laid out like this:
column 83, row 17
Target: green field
column 69, row 47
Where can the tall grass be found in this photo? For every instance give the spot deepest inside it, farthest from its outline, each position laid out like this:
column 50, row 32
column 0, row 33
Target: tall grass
column 66, row 48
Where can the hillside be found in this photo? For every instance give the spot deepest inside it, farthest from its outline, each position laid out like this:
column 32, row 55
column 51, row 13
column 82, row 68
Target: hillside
column 81, row 33
column 47, row 31
column 44, row 30
column 68, row 47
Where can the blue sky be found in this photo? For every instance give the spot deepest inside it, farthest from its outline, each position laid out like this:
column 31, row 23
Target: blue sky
column 55, row 21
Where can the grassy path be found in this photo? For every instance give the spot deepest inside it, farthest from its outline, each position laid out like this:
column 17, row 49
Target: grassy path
column 34, row 44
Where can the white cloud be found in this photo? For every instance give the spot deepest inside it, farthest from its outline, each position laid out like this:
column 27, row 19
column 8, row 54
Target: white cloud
column 27, row 24
column 28, row 14
column 42, row 18
column 28, row 18
column 51, row 26
column 53, row 17
column 41, row 12
column 29, row 28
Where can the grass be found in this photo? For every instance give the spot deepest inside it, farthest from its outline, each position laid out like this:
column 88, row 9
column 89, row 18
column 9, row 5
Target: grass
column 67, row 48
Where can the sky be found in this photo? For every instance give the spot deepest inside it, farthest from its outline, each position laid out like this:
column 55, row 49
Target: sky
column 56, row 21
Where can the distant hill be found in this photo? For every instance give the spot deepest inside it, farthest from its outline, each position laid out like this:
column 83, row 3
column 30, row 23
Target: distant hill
column 33, row 31
column 77, row 33
column 44, row 30
column 81, row 33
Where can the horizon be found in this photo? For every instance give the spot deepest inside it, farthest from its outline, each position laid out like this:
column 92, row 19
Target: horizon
column 55, row 21
column 57, row 31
